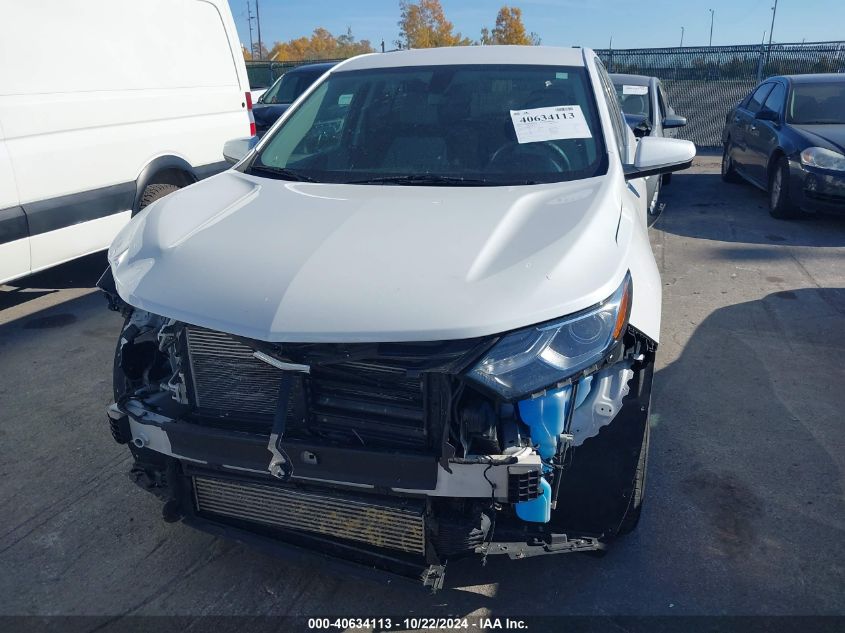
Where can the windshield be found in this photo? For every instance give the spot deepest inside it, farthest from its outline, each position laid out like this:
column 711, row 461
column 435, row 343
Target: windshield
column 468, row 125
column 817, row 103
column 289, row 86
column 633, row 99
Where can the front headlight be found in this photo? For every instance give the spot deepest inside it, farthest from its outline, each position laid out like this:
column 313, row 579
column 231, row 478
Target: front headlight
column 823, row 158
column 528, row 360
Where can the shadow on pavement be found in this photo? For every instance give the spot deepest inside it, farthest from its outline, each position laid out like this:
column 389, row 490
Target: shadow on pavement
column 700, row 205
column 79, row 273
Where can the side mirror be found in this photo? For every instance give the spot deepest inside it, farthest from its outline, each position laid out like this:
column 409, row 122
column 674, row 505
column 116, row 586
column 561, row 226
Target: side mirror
column 766, row 115
column 235, row 150
column 658, row 155
column 673, row 120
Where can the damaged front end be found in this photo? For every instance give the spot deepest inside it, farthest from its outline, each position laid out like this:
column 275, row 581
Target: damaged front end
column 397, row 456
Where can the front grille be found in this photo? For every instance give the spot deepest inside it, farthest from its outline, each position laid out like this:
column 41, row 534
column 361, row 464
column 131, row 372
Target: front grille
column 227, row 378
column 397, row 526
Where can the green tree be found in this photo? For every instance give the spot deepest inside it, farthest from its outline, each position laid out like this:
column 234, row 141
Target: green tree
column 424, row 25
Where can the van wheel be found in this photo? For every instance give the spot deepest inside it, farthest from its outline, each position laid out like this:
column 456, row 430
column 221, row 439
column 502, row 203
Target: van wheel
column 154, row 192
column 728, row 170
column 780, row 205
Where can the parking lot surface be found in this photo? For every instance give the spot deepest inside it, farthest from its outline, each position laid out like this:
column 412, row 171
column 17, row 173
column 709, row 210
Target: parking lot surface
column 745, row 512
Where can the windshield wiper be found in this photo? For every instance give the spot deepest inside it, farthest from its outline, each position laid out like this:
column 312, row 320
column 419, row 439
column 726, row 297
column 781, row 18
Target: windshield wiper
column 422, row 179
column 282, row 173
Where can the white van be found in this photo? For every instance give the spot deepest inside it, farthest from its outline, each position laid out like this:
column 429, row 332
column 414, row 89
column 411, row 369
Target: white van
column 106, row 105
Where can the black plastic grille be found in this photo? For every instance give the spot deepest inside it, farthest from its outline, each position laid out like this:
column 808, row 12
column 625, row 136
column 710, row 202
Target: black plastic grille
column 367, row 404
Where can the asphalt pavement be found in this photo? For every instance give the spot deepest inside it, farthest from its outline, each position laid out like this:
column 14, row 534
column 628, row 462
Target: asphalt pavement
column 744, row 513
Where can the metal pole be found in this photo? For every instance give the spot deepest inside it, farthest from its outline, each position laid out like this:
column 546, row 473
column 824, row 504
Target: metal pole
column 249, row 20
column 682, row 37
column 712, row 13
column 258, row 20
column 771, row 30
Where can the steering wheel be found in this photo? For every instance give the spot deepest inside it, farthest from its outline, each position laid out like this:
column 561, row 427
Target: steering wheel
column 548, row 150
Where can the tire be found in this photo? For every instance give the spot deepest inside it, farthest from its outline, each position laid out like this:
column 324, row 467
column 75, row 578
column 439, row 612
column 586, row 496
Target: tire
column 728, row 170
column 780, row 204
column 654, row 203
column 154, row 192
column 635, row 505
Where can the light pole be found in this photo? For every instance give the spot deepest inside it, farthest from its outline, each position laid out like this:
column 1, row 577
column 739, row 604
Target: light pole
column 771, row 29
column 682, row 37
column 712, row 13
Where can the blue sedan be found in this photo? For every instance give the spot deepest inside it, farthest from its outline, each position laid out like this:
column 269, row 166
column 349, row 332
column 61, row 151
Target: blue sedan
column 788, row 138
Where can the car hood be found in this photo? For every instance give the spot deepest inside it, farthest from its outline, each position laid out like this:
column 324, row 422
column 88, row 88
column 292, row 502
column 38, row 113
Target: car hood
column 830, row 136
column 307, row 262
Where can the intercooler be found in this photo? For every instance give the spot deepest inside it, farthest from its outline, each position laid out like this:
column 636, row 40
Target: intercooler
column 397, row 527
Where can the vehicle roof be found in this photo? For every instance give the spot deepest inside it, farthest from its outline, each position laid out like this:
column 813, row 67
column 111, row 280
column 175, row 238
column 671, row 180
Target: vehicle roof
column 534, row 55
column 631, row 80
column 812, row 78
column 322, row 66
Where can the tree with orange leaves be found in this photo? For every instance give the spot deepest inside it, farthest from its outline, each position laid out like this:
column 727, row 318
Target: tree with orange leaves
column 424, row 25
column 509, row 29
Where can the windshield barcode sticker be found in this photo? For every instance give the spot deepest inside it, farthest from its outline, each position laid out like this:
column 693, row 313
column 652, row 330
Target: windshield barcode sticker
column 634, row 90
column 549, row 124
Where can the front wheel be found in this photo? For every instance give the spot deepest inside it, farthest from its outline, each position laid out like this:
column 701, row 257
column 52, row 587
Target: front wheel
column 728, row 170
column 635, row 505
column 780, row 204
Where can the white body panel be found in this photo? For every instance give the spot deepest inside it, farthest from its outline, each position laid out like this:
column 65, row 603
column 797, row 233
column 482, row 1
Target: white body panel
column 117, row 84
column 302, row 262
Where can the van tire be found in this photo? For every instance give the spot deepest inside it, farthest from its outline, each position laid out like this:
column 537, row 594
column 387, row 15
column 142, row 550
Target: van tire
column 154, row 192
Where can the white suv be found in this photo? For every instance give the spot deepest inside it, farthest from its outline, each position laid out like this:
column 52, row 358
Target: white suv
column 417, row 322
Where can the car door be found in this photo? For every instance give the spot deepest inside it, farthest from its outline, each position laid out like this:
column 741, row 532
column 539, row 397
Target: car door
column 742, row 121
column 762, row 136
column 14, row 233
column 664, row 110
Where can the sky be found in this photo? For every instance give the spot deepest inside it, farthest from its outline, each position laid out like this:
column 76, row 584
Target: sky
column 592, row 23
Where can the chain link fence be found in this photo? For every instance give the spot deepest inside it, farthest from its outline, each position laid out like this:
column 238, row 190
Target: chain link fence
column 703, row 82
column 263, row 73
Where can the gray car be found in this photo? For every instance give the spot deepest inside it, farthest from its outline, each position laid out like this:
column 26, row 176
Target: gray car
column 648, row 112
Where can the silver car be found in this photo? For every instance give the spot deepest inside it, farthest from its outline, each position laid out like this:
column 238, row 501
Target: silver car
column 648, row 112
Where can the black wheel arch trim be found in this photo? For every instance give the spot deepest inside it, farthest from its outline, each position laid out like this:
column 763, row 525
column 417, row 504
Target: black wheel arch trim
column 159, row 167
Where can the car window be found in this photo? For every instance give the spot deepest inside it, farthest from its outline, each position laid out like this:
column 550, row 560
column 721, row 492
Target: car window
column 817, row 103
column 633, row 99
column 489, row 124
column 755, row 101
column 616, row 118
column 289, row 86
column 774, row 101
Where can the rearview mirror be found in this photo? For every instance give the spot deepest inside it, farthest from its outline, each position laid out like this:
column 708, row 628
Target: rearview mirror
column 235, row 150
column 673, row 120
column 657, row 155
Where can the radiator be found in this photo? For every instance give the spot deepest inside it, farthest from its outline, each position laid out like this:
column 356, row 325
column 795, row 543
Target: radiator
column 395, row 527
